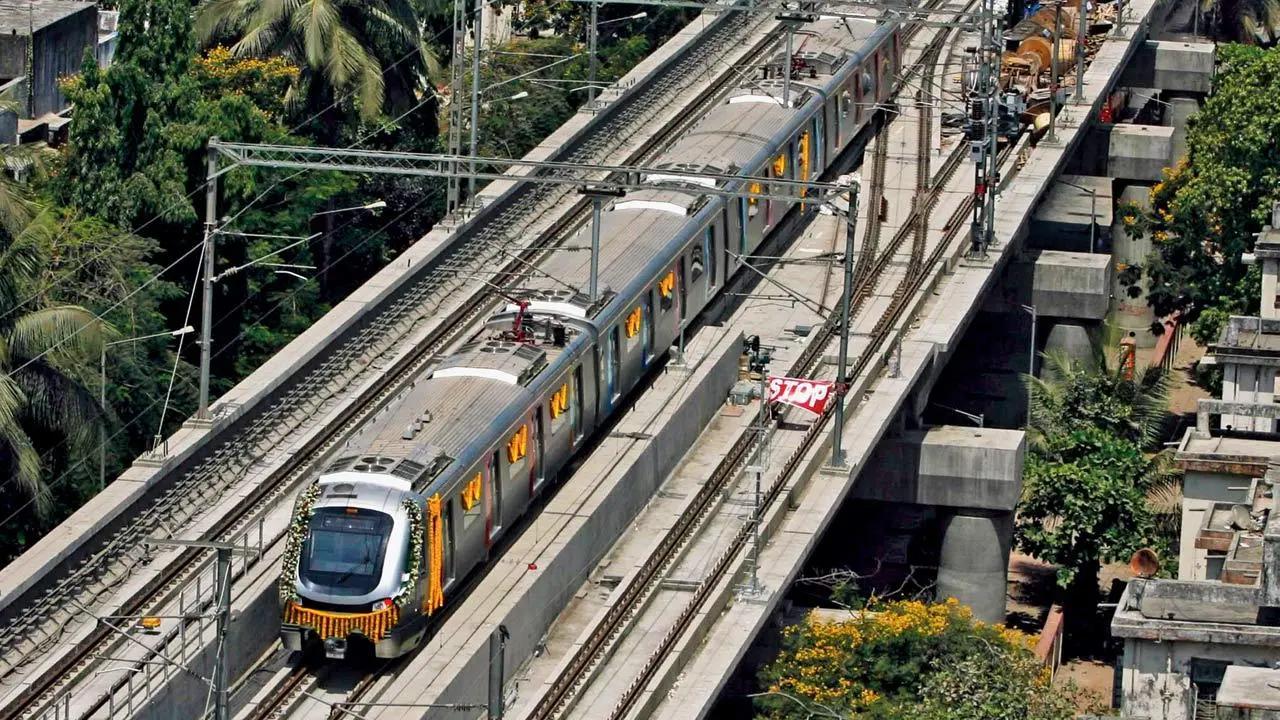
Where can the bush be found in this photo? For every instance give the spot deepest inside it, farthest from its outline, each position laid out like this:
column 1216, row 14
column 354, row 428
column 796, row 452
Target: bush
column 907, row 659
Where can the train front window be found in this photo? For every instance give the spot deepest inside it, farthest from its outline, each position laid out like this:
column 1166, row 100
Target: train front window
column 344, row 550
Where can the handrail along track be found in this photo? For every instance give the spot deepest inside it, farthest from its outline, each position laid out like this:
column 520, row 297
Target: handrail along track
column 497, row 226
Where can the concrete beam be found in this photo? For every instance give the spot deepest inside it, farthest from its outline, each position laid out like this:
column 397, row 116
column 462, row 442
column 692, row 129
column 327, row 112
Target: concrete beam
column 1071, row 285
column 948, row 466
column 1172, row 65
column 1138, row 152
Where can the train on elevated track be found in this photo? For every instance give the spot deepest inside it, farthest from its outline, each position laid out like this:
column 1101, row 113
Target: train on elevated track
column 386, row 534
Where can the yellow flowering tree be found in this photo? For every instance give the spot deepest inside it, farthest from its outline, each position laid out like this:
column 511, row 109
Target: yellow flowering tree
column 908, row 659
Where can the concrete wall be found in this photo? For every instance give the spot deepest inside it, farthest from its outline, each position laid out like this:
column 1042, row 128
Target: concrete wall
column 1248, row 384
column 59, row 51
column 638, row 476
column 1156, row 676
column 1200, row 490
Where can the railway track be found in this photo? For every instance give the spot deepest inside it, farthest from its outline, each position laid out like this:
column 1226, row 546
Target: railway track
column 29, row 636
column 564, row 690
column 299, row 683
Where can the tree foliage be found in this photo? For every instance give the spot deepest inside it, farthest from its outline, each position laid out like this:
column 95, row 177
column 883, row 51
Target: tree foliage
column 1206, row 211
column 1088, row 483
column 906, row 659
column 1252, row 21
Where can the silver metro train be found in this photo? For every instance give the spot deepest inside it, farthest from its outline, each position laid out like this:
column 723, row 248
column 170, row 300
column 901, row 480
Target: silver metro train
column 385, row 535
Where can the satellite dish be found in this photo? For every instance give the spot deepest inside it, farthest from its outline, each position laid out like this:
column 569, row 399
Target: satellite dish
column 1145, row 563
column 1242, row 520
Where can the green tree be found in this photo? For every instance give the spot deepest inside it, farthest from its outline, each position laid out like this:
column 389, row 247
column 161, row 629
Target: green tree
column 907, row 659
column 46, row 356
column 1256, row 21
column 343, row 45
column 1206, row 211
column 1075, row 395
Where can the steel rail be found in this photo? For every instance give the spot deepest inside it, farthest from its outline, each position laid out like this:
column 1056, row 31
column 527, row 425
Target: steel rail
column 603, row 139
column 714, row 93
column 563, row 690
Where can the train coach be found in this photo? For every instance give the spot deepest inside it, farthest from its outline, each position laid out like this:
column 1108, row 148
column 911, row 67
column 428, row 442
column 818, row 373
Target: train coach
column 383, row 537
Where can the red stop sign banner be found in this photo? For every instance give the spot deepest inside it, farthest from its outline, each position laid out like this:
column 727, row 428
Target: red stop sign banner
column 811, row 395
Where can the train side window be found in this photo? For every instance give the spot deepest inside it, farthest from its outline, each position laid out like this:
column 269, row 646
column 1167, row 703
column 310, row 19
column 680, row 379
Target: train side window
column 558, row 407
column 647, row 323
column 709, row 251
column 846, row 104
column 471, row 498
column 518, row 451
column 697, row 266
column 575, row 404
column 667, row 290
column 615, row 365
column 744, row 205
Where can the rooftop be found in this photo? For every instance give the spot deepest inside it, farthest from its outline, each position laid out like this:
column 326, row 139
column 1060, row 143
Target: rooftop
column 21, row 17
column 1250, row 687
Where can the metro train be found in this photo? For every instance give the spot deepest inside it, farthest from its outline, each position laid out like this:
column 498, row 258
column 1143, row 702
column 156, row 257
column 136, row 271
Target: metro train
column 425, row 489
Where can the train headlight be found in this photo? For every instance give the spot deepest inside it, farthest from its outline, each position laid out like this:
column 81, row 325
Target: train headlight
column 381, row 605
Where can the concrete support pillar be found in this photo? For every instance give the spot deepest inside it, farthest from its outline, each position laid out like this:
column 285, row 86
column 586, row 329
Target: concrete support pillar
column 1132, row 314
column 1180, row 111
column 1070, row 338
column 974, row 562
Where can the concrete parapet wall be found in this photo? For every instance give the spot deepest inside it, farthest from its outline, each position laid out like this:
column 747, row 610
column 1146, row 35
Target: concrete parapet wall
column 69, row 542
column 1172, row 65
column 628, row 472
column 956, row 467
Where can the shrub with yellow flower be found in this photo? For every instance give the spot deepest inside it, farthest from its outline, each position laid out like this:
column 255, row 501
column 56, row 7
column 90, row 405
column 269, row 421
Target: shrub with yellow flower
column 899, row 660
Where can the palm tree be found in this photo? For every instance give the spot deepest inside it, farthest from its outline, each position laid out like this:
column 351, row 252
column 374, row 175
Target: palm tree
column 46, row 354
column 338, row 43
column 1072, row 392
column 1249, row 20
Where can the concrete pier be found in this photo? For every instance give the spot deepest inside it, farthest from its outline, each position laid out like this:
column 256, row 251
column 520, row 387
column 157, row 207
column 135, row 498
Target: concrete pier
column 973, row 567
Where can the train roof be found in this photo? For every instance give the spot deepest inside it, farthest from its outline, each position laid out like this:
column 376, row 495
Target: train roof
column 435, row 421
column 648, row 219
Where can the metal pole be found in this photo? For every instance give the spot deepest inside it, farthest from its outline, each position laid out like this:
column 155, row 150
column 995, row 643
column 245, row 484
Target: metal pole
column 596, row 202
column 1080, row 44
column 592, row 38
column 837, row 432
column 220, row 687
column 1031, row 361
column 206, row 303
column 755, row 513
column 102, row 421
column 1093, row 220
column 786, row 68
column 993, row 133
column 1053, row 72
column 475, row 97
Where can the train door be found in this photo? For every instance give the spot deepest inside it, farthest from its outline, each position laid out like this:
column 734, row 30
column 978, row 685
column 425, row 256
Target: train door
column 731, row 230
column 613, row 368
column 818, row 147
column 710, row 252
column 539, row 468
column 493, row 498
column 575, row 406
column 446, row 527
column 647, row 323
column 681, row 288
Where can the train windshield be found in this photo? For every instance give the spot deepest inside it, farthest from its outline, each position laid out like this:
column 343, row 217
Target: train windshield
column 344, row 550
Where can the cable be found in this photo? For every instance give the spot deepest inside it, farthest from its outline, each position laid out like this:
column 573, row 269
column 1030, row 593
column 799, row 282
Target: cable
column 138, row 230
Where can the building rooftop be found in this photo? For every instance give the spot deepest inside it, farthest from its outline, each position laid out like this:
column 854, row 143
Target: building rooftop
column 1250, row 687
column 21, row 17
